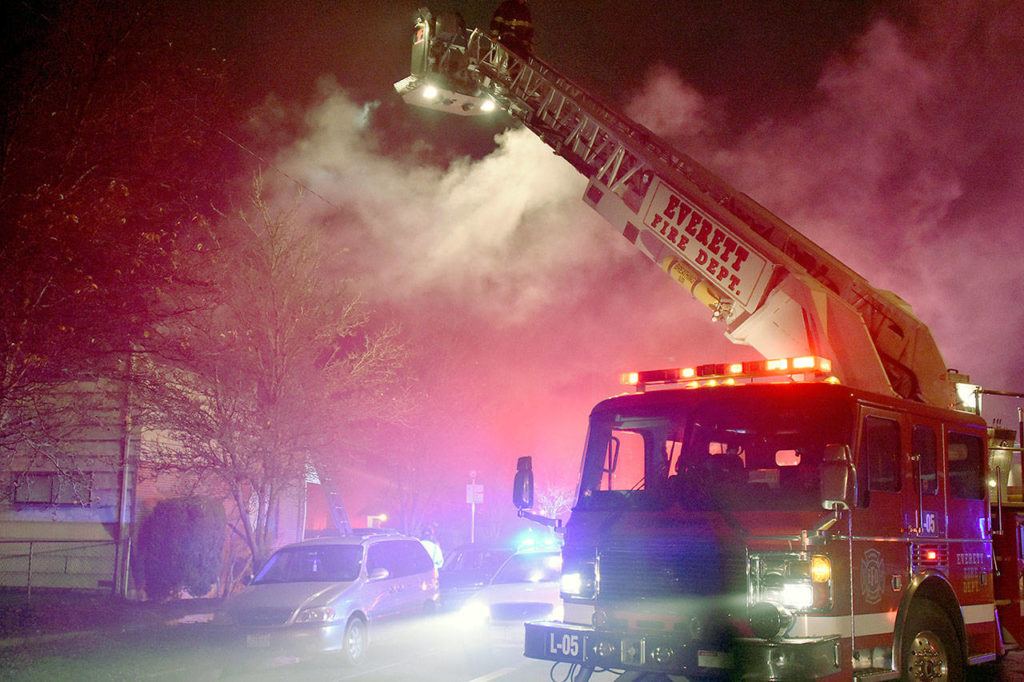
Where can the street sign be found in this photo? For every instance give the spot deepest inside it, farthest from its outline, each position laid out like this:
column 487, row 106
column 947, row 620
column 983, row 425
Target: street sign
column 474, row 493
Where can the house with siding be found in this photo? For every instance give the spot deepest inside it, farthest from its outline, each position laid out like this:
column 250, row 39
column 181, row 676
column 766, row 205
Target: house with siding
column 70, row 511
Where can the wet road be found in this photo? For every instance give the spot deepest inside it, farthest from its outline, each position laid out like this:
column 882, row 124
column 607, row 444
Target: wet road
column 431, row 649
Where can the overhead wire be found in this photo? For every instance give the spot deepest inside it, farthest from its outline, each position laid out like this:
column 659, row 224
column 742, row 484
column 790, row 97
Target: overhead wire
column 256, row 155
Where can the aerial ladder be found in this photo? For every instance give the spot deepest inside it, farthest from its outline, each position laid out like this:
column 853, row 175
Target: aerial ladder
column 773, row 288
column 335, row 506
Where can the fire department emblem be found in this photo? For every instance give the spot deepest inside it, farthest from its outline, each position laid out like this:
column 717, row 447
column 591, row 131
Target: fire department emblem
column 872, row 578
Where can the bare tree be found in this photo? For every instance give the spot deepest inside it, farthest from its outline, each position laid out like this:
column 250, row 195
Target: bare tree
column 284, row 368
column 106, row 172
column 416, row 473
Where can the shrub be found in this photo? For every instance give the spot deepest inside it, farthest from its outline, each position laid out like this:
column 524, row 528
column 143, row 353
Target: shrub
column 180, row 546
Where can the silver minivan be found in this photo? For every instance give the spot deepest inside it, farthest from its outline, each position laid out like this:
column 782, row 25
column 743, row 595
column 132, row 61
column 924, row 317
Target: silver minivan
column 324, row 595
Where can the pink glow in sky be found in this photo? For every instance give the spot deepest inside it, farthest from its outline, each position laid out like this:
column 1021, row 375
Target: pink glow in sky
column 523, row 307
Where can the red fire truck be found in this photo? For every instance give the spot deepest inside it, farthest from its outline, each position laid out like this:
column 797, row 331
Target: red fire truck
column 821, row 514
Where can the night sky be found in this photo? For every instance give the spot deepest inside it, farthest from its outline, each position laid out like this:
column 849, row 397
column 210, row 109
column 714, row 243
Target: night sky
column 890, row 133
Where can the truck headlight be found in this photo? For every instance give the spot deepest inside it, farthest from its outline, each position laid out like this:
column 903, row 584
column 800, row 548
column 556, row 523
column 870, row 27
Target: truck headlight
column 796, row 596
column 796, row 581
column 579, row 579
column 317, row 614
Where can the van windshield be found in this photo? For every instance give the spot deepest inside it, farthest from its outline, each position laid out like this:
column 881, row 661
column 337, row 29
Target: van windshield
column 727, row 452
column 322, row 563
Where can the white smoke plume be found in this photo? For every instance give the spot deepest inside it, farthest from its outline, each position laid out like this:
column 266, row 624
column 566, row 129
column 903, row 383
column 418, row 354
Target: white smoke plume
column 524, row 307
column 908, row 167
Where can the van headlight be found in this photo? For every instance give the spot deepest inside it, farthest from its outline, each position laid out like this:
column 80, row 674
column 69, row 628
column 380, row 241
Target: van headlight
column 317, row 614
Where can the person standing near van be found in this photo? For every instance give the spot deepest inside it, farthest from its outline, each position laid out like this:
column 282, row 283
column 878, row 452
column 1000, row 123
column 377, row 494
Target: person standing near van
column 433, row 548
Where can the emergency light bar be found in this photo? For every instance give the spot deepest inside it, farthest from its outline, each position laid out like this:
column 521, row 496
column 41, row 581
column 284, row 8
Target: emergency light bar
column 724, row 374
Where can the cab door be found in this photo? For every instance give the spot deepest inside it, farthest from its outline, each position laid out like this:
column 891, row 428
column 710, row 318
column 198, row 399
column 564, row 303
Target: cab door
column 882, row 480
column 879, row 525
column 970, row 541
column 924, row 503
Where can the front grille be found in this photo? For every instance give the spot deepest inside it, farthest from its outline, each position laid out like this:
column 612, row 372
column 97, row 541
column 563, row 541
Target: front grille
column 263, row 616
column 520, row 611
column 682, row 567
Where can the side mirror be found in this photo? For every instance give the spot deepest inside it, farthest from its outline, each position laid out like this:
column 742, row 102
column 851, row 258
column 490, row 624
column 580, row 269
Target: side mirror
column 379, row 573
column 522, row 488
column 838, row 484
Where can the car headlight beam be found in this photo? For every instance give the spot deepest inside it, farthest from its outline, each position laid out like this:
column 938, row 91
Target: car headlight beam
column 475, row 612
column 317, row 614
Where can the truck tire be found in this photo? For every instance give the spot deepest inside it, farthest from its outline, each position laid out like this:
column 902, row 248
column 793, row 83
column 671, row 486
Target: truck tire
column 931, row 650
column 355, row 641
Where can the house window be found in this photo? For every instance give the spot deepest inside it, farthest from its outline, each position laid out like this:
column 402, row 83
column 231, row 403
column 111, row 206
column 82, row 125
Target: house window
column 50, row 487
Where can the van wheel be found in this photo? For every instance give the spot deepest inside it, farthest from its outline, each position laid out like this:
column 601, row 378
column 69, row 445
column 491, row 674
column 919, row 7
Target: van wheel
column 931, row 648
column 353, row 646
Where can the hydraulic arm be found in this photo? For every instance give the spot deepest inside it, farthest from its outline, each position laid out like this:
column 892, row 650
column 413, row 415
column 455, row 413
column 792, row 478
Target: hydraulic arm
column 772, row 287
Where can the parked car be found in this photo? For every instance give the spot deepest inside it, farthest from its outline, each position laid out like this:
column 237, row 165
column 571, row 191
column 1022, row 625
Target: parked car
column 325, row 595
column 468, row 568
column 525, row 588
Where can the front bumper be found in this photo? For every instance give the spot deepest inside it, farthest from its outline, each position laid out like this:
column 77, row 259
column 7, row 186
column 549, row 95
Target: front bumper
column 668, row 653
column 295, row 639
column 454, row 598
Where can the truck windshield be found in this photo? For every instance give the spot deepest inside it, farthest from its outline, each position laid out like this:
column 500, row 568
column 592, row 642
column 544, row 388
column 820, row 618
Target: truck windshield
column 727, row 452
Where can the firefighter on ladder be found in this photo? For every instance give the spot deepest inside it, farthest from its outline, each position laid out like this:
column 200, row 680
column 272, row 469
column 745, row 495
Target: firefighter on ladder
column 513, row 26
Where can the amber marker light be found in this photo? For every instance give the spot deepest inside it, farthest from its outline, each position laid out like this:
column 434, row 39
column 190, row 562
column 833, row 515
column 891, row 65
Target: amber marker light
column 821, row 568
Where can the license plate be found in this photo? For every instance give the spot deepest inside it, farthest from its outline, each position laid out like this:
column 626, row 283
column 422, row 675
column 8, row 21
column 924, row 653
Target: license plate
column 555, row 643
column 257, row 641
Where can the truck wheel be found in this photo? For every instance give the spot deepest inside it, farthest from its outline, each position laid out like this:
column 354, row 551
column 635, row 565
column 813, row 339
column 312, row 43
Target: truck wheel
column 931, row 648
column 353, row 646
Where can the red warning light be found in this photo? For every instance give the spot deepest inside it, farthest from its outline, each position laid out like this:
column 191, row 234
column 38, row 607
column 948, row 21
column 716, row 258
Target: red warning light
column 805, row 368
